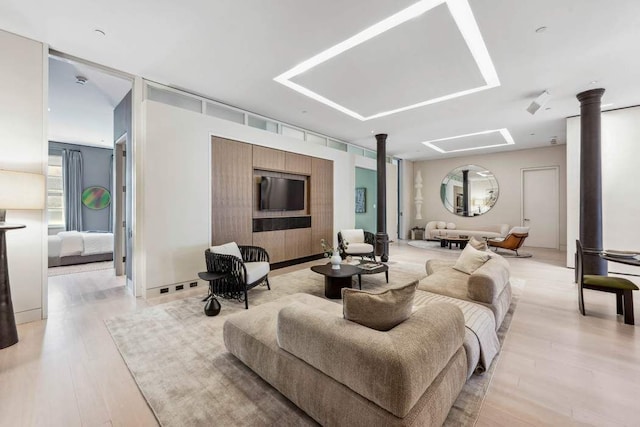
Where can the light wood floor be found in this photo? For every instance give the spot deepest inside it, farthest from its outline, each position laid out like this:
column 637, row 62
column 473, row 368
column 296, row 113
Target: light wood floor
column 557, row 367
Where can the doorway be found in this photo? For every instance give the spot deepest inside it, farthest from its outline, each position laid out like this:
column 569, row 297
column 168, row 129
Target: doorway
column 541, row 206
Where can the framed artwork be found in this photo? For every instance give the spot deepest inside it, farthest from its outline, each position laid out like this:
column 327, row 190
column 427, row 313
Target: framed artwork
column 361, row 200
column 96, row 197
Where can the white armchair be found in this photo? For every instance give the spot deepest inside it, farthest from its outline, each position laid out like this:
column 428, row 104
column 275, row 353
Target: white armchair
column 356, row 242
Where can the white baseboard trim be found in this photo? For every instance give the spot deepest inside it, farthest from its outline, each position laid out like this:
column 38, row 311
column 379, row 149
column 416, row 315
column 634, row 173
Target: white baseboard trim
column 28, row 316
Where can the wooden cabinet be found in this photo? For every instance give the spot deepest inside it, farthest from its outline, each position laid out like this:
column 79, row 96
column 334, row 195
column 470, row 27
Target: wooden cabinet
column 273, row 242
column 231, row 192
column 321, row 203
column 268, row 158
column 297, row 163
column 298, row 243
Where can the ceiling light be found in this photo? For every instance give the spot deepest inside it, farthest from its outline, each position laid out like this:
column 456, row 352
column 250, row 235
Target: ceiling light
column 541, row 29
column 462, row 15
column 99, row 32
column 532, row 134
column 539, row 102
column 593, row 82
column 504, row 132
column 81, row 80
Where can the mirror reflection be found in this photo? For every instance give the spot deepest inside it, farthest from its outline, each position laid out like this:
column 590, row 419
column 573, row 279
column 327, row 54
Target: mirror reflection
column 469, row 190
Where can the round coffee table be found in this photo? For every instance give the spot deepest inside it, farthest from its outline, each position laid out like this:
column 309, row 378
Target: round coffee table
column 335, row 280
column 381, row 268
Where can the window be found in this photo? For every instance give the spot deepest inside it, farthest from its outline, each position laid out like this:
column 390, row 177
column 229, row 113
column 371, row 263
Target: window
column 55, row 196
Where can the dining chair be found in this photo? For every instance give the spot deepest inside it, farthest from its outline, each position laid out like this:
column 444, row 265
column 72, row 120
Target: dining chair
column 623, row 288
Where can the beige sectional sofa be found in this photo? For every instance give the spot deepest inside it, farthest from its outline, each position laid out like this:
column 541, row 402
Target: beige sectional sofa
column 342, row 373
column 345, row 374
column 437, row 229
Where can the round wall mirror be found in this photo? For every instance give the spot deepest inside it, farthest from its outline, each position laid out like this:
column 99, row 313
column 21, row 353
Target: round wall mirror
column 469, row 190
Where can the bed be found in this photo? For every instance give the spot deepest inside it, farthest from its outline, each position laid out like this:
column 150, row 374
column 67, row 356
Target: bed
column 80, row 247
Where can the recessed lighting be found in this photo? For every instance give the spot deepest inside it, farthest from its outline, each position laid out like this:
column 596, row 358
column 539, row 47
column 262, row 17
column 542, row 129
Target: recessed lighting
column 592, row 82
column 462, row 15
column 81, row 80
column 48, row 109
column 99, row 32
column 548, row 108
column 541, row 29
column 532, row 134
column 304, row 111
column 504, row 132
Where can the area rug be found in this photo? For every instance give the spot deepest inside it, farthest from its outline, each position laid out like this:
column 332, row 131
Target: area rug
column 79, row 268
column 178, row 359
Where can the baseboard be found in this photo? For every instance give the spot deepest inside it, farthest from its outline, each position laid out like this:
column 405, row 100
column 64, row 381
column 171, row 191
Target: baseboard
column 28, row 316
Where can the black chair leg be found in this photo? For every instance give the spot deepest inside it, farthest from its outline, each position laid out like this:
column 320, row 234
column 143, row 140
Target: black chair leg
column 268, row 286
column 628, row 307
column 619, row 308
column 581, row 301
column 246, row 299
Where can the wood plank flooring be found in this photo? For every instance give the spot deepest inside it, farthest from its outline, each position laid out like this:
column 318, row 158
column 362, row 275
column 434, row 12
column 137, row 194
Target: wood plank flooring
column 556, row 368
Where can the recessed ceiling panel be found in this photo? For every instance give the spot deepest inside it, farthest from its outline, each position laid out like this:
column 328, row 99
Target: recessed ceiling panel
column 472, row 141
column 424, row 58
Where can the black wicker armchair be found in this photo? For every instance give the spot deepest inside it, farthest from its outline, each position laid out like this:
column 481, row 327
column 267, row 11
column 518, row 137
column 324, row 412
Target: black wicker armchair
column 354, row 247
column 240, row 274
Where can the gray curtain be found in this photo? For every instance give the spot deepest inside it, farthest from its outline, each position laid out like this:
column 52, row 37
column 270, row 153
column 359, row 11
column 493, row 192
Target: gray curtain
column 72, row 182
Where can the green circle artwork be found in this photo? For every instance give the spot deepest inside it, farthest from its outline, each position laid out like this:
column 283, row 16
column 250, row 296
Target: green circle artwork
column 96, row 197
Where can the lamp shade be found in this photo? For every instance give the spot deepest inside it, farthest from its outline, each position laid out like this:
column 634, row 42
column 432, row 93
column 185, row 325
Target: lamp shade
column 21, row 190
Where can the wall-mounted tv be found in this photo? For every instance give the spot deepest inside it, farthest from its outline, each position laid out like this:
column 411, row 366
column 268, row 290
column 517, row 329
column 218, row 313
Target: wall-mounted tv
column 281, row 194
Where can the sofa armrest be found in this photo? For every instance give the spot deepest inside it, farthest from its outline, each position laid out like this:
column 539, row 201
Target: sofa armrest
column 431, row 225
column 392, row 368
column 487, row 282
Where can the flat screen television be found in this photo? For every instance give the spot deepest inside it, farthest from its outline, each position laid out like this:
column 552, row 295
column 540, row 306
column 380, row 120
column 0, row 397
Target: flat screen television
column 281, row 194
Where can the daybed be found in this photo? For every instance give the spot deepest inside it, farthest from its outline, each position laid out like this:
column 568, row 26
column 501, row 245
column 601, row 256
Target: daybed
column 74, row 247
column 342, row 373
column 435, row 229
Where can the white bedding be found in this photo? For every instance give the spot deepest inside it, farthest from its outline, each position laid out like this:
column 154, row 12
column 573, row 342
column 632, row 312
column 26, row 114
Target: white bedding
column 70, row 243
column 97, row 243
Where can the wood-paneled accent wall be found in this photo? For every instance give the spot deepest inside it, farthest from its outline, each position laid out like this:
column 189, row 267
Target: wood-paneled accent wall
column 231, row 195
column 321, row 203
column 236, row 171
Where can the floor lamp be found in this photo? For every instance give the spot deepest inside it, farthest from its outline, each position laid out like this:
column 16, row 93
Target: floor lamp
column 18, row 190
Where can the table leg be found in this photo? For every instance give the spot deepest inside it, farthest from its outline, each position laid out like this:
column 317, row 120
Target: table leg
column 333, row 286
column 360, row 281
column 386, row 275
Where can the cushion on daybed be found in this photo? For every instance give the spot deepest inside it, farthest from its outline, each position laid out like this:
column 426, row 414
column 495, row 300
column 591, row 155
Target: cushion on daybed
column 381, row 310
column 358, row 248
column 392, row 369
column 470, row 260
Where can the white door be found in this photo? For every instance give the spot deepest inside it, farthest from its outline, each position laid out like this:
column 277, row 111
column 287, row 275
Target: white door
column 540, row 207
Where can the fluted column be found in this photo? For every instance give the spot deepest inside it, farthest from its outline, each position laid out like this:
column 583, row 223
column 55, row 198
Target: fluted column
column 382, row 239
column 591, row 181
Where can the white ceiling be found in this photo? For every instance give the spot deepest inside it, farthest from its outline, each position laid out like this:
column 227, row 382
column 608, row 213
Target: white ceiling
column 231, row 51
column 82, row 114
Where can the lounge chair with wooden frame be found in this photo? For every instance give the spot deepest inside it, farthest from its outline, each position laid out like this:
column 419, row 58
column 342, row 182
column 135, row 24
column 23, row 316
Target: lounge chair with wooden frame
column 513, row 241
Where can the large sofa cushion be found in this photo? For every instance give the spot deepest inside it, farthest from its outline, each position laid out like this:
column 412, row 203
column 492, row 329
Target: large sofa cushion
column 488, row 281
column 381, row 310
column 392, row 369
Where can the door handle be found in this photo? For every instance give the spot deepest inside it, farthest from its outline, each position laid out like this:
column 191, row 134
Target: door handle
column 526, row 219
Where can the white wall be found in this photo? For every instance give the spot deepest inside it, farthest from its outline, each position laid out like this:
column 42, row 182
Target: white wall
column 174, row 194
column 23, row 148
column 620, row 195
column 507, row 168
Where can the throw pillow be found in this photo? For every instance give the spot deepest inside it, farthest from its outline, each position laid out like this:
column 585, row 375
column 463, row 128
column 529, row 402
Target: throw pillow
column 227, row 249
column 470, row 260
column 381, row 311
column 480, row 245
column 451, row 226
column 441, row 225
